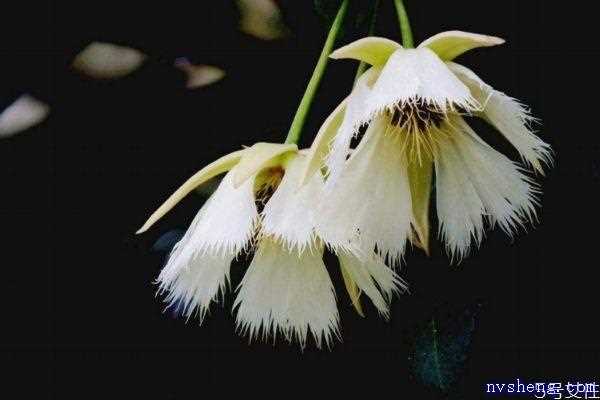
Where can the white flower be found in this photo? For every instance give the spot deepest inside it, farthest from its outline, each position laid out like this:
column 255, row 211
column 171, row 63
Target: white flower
column 287, row 289
column 413, row 101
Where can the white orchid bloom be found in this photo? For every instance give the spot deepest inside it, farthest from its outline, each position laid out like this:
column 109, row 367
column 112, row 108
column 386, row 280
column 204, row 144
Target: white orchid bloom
column 413, row 101
column 287, row 288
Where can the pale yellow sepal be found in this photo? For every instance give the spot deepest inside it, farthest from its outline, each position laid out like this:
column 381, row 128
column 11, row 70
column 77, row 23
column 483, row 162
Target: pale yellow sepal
column 259, row 156
column 420, row 175
column 353, row 290
column 320, row 145
column 451, row 44
column 213, row 169
column 372, row 50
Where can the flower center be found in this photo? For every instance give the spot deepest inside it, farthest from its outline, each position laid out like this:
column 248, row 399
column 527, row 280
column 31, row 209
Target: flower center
column 416, row 116
column 417, row 125
column 266, row 184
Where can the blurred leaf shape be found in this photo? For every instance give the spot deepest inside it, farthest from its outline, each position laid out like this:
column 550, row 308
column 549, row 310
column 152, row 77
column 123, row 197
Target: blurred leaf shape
column 442, row 347
column 199, row 75
column 108, row 61
column 167, row 241
column 261, row 18
column 25, row 112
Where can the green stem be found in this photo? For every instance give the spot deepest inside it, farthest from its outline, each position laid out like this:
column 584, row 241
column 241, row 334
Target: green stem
column 298, row 123
column 363, row 65
column 407, row 37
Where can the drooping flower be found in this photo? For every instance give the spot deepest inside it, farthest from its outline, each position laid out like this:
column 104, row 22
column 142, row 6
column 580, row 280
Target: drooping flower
column 414, row 102
column 260, row 206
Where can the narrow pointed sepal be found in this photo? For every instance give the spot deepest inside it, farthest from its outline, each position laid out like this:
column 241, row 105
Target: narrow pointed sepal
column 213, row 169
column 372, row 50
column 370, row 275
column 321, row 144
column 451, row 44
column 354, row 117
column 420, row 174
column 353, row 291
column 259, row 156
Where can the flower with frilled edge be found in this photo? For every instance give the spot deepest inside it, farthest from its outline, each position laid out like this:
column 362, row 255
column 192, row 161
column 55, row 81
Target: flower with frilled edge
column 413, row 102
column 260, row 206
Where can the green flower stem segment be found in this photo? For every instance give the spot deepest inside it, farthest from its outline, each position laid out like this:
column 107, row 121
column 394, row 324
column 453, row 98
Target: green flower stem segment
column 407, row 37
column 300, row 117
column 363, row 65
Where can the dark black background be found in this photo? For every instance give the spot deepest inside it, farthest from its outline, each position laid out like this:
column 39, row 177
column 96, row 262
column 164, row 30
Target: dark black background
column 80, row 318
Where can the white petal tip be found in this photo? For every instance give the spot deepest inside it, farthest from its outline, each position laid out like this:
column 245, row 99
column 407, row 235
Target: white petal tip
column 336, row 55
column 495, row 40
column 147, row 225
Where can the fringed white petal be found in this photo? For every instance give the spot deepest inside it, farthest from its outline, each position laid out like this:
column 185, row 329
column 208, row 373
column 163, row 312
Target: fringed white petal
column 510, row 117
column 288, row 216
column 288, row 293
column 508, row 195
column 451, row 44
column 372, row 50
column 418, row 76
column 227, row 221
column 192, row 284
column 370, row 204
column 373, row 277
column 475, row 181
column 354, row 117
column 198, row 267
column 460, row 210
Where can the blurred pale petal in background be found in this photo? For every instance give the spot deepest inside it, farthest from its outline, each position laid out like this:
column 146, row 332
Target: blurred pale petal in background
column 199, row 75
column 24, row 113
column 108, row 61
column 261, row 18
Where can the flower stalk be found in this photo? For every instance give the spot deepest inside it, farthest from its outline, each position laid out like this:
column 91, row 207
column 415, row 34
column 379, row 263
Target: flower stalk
column 407, row 37
column 295, row 131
